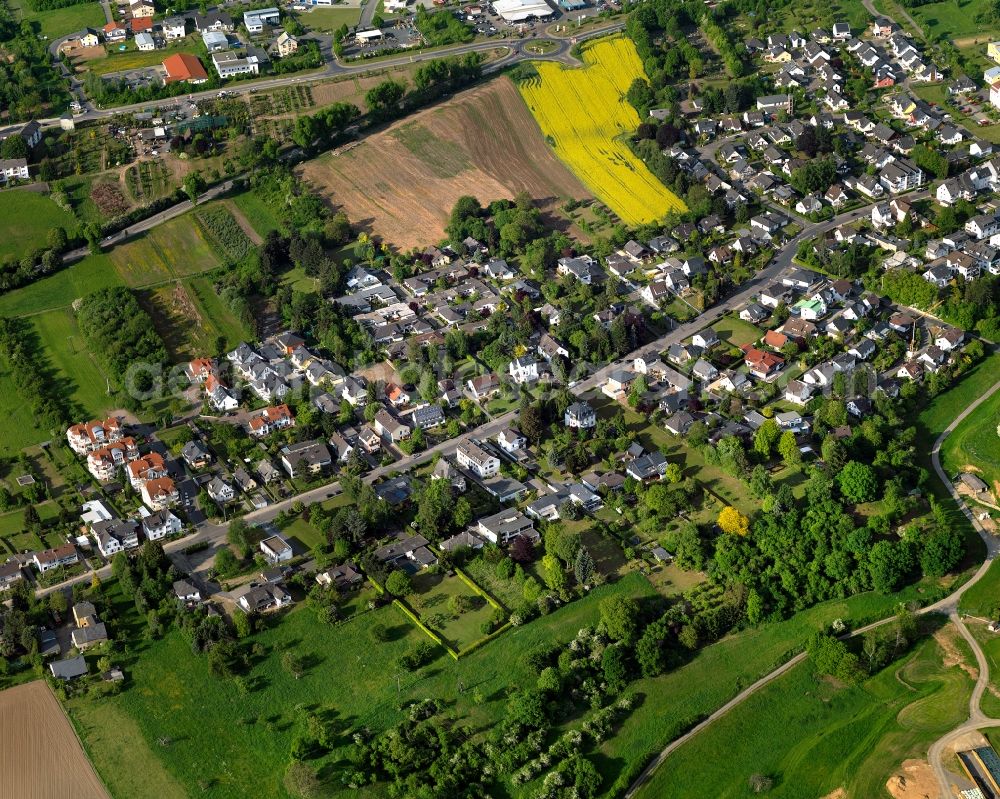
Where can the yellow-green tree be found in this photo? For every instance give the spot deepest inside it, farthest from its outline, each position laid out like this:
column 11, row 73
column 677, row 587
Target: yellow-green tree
column 733, row 522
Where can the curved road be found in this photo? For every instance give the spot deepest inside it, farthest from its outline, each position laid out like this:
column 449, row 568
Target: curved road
column 948, row 605
column 977, row 719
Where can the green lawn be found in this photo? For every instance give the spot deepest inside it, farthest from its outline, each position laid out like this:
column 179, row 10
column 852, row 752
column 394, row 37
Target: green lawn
column 76, row 370
column 258, row 213
column 983, row 598
column 13, row 523
column 300, row 281
column 812, row 736
column 228, row 745
column 61, row 21
column 177, row 248
column 674, row 701
column 305, row 533
column 735, row 331
column 951, row 19
column 212, row 308
column 59, row 290
column 975, row 443
column 990, row 643
column 138, row 59
column 327, row 20
column 28, row 217
column 18, row 428
column 431, row 600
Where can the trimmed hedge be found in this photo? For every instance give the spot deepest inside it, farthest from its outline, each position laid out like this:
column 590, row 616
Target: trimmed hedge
column 416, row 620
column 479, row 590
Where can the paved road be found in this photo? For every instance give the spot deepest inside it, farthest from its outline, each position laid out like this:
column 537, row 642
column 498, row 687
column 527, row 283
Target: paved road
column 152, row 221
column 977, row 719
column 948, row 606
column 335, row 68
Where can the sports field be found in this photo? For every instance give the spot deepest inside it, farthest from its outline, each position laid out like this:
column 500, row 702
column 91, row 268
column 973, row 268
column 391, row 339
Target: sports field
column 27, row 219
column 584, row 115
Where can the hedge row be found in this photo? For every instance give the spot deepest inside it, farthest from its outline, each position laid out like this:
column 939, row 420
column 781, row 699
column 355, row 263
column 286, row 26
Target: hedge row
column 416, row 620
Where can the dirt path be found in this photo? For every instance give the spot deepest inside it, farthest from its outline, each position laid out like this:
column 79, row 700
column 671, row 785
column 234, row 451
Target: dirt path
column 243, row 222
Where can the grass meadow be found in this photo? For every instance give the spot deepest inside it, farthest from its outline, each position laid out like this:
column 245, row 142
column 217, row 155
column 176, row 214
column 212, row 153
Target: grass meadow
column 59, row 290
column 811, row 735
column 28, row 217
column 583, row 114
column 975, row 443
column 71, row 363
column 226, row 744
column 257, row 212
column 60, row 21
column 177, row 248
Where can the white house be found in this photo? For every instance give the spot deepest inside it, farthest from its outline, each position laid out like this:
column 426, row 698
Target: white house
column 256, row 20
column 511, row 440
column 523, row 370
column 580, row 415
column 474, row 458
column 160, row 525
column 276, row 549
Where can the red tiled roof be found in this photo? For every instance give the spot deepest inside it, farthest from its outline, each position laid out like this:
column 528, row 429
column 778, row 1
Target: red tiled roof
column 184, row 66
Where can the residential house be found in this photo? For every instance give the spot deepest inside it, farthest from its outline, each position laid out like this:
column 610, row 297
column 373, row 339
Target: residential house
column 305, row 457
column 159, row 493
column 580, row 415
column 64, row 555
column 344, row 577
column 483, row 386
column 503, row 527
column 651, row 466
column 762, row 364
column 474, row 458
column 161, row 524
column 523, row 370
column 89, row 436
column 114, row 536
column 195, row 455
column 390, row 427
column 276, row 549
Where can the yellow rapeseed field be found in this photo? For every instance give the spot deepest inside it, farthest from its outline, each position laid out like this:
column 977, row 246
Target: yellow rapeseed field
column 585, row 113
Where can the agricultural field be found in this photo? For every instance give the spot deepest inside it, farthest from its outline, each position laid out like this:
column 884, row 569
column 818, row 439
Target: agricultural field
column 42, row 756
column 177, row 248
column 583, row 114
column 224, row 232
column 811, row 735
column 28, row 217
column 147, row 181
column 402, row 183
column 237, row 743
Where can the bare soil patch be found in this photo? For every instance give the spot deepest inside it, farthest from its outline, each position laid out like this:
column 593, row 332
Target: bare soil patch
column 840, row 793
column 914, row 780
column 41, row 757
column 402, row 183
column 946, row 638
column 244, row 223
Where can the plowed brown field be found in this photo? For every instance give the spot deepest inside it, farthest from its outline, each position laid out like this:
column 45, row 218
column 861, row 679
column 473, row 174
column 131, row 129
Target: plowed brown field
column 401, row 184
column 40, row 756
